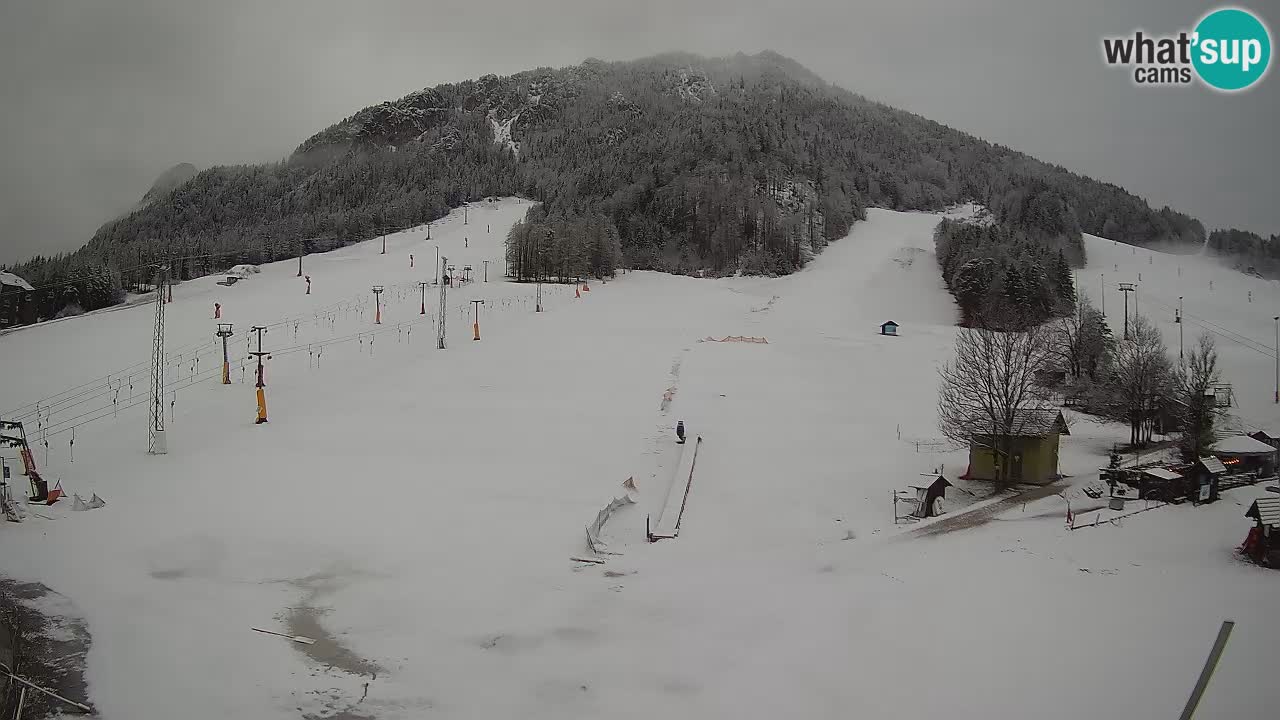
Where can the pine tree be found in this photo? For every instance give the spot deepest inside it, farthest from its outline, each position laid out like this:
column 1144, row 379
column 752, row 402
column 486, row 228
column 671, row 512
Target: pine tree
column 1065, row 283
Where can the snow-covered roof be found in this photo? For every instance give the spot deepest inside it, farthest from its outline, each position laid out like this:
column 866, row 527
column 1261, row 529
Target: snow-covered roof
column 1241, row 445
column 1213, row 465
column 8, row 278
column 1040, row 422
column 1162, row 473
column 1028, row 423
column 1265, row 510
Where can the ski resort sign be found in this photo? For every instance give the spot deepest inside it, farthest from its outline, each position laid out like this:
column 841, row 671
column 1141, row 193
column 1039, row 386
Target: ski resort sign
column 1229, row 50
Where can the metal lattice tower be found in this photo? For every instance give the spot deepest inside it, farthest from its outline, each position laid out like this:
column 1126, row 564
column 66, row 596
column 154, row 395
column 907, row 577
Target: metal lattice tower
column 156, row 442
column 444, row 286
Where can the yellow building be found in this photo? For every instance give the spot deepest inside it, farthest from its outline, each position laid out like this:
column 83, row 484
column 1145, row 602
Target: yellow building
column 1033, row 449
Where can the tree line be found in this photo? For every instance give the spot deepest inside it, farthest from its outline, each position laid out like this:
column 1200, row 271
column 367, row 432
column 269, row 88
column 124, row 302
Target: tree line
column 545, row 248
column 1014, row 266
column 1247, row 252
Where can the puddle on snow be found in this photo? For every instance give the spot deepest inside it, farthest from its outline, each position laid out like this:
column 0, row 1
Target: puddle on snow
column 328, row 651
column 304, row 619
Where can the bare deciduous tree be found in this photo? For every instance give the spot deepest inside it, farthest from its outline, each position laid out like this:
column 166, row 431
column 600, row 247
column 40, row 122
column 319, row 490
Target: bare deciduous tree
column 1082, row 341
column 1140, row 382
column 989, row 390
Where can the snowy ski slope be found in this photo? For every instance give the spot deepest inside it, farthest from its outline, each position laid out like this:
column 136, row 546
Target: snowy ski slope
column 417, row 508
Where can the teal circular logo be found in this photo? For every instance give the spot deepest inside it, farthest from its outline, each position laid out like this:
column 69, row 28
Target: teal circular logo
column 1232, row 49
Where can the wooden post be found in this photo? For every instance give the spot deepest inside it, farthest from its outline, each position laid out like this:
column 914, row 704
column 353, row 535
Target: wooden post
column 1206, row 673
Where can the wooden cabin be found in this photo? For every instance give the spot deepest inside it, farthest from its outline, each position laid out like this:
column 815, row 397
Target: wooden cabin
column 1033, row 449
column 1262, row 544
column 1205, row 474
column 1246, row 453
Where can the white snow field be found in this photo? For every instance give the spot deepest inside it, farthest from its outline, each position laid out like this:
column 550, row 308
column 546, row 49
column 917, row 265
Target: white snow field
column 417, row 509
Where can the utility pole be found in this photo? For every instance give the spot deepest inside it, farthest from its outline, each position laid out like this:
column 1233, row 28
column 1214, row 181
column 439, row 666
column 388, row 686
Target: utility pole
column 302, row 250
column 464, row 214
column 157, row 443
column 437, row 278
column 486, row 271
column 475, row 316
column 1277, row 320
column 444, row 288
column 377, row 304
column 1126, row 288
column 261, row 383
column 1178, row 320
column 1102, row 285
column 224, row 332
column 423, row 285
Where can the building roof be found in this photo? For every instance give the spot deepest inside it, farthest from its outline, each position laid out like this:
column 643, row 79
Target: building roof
column 8, row 278
column 1241, row 446
column 1269, row 434
column 1266, row 510
column 1162, row 473
column 1031, row 423
column 888, row 322
column 1213, row 465
column 1034, row 423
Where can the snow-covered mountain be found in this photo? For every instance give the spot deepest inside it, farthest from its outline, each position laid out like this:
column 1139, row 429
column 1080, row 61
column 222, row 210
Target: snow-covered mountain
column 703, row 165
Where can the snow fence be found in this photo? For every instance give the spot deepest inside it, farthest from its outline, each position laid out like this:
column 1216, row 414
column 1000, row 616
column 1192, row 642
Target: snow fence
column 595, row 529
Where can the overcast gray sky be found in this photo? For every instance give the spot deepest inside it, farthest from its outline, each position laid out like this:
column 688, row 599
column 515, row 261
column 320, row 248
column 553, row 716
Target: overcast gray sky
column 98, row 98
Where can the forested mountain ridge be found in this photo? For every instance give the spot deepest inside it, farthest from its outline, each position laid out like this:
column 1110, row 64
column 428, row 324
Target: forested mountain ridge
column 168, row 180
column 743, row 163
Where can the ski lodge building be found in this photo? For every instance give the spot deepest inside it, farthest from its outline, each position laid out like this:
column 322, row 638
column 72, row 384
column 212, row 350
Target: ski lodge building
column 13, row 295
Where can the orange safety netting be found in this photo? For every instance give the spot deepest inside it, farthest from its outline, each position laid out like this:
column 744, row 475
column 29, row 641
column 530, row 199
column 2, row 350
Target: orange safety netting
column 737, row 338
